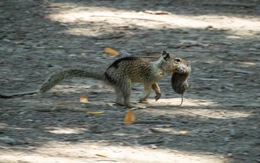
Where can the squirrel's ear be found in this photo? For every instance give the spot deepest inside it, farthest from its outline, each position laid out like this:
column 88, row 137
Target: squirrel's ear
column 165, row 55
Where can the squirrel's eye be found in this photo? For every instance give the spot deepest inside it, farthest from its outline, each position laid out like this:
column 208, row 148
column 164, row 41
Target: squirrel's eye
column 177, row 60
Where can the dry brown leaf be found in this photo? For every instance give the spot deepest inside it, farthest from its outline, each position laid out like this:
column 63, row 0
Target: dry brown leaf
column 101, row 155
column 83, row 99
column 111, row 51
column 129, row 117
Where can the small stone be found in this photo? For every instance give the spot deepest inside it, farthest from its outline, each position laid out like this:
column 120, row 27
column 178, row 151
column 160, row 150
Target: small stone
column 153, row 146
column 226, row 139
column 230, row 155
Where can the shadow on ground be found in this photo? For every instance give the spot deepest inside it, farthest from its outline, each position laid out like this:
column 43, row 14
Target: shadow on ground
column 221, row 114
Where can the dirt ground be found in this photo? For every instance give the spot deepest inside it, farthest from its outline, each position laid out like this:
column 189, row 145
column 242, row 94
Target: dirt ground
column 220, row 117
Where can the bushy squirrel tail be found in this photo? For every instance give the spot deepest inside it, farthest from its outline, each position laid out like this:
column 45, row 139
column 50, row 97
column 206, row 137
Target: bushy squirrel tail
column 57, row 77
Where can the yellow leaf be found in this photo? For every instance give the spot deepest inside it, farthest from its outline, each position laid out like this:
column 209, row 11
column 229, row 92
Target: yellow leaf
column 248, row 63
column 129, row 117
column 183, row 132
column 83, row 99
column 101, row 155
column 111, row 51
column 95, row 112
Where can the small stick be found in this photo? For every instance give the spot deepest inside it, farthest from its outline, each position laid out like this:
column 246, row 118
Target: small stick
column 151, row 122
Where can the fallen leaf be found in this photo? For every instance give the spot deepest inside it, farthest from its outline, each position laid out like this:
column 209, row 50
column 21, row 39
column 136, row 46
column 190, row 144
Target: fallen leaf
column 96, row 112
column 129, row 117
column 111, row 51
column 183, row 132
column 248, row 63
column 101, row 155
column 83, row 99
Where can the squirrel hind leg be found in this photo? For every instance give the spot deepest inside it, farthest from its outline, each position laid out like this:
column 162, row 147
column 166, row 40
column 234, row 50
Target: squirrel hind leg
column 126, row 91
column 123, row 91
column 119, row 97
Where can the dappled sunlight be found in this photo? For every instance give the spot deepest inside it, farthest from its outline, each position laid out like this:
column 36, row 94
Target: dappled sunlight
column 78, row 119
column 81, row 152
column 64, row 130
column 89, row 85
column 197, row 107
column 111, row 17
column 187, row 102
column 218, row 113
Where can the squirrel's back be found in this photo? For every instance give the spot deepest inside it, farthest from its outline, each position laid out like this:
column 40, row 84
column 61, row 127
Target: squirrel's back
column 135, row 69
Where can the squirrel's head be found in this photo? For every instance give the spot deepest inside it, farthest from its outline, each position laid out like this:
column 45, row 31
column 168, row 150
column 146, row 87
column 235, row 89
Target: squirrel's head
column 172, row 63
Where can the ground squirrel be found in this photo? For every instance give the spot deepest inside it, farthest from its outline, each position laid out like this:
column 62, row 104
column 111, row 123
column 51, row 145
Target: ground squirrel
column 179, row 80
column 121, row 74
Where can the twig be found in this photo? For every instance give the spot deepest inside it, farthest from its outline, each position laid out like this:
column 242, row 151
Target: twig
column 230, row 4
column 152, row 122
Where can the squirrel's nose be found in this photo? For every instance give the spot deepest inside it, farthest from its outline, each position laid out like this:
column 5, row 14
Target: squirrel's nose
column 182, row 68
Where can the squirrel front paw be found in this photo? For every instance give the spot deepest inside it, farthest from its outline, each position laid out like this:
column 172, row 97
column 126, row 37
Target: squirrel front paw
column 158, row 96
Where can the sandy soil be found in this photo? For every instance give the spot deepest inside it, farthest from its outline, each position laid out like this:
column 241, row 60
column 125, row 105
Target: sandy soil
column 220, row 117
